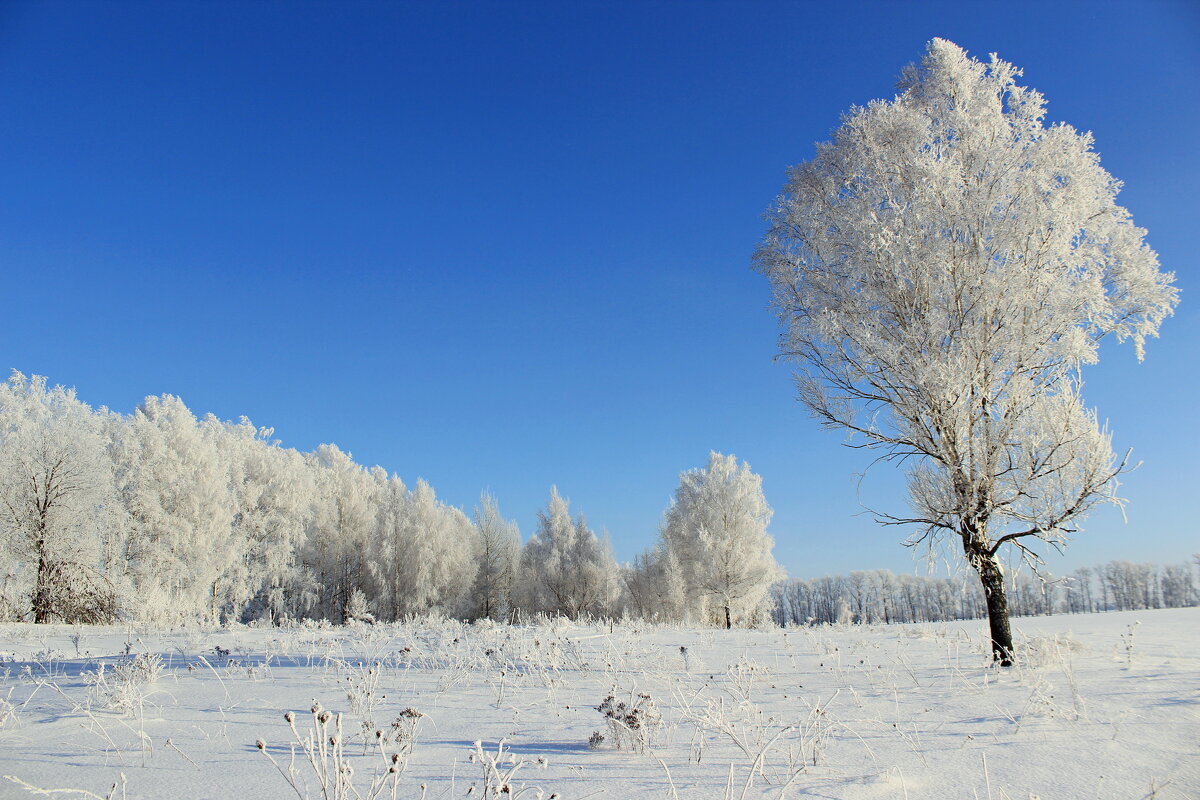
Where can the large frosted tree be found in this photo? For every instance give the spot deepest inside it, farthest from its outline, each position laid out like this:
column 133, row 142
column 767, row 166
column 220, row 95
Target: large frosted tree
column 56, row 503
column 944, row 268
column 716, row 531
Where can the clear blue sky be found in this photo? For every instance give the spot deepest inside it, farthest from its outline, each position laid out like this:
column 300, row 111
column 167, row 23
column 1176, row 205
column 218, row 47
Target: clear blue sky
column 505, row 245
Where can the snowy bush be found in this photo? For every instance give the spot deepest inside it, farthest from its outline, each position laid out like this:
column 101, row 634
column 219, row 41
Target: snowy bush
column 358, row 611
column 633, row 723
column 125, row 687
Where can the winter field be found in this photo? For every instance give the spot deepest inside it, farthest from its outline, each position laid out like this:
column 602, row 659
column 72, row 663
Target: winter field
column 1101, row 705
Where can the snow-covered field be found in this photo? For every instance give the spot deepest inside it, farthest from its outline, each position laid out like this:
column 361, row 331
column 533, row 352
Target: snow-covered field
column 1102, row 706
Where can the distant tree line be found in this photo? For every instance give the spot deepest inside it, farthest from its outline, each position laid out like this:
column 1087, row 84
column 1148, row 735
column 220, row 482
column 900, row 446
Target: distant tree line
column 881, row 596
column 166, row 517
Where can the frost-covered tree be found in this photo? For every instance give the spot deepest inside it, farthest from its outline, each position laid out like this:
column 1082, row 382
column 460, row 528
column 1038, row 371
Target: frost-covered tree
column 56, row 499
column 176, row 491
column 565, row 568
column 421, row 555
column 654, row 585
column 386, row 564
column 943, row 269
column 716, row 529
column 439, row 553
column 497, row 550
column 272, row 491
column 341, row 526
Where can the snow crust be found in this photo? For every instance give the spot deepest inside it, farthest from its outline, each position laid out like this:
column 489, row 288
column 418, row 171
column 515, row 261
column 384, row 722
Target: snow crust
column 1100, row 705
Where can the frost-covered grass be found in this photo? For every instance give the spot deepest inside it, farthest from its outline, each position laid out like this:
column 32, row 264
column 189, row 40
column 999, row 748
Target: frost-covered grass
column 1100, row 706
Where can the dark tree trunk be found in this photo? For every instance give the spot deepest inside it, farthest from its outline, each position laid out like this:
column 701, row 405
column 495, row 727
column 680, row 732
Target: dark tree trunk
column 41, row 592
column 41, row 587
column 997, row 607
column 728, row 620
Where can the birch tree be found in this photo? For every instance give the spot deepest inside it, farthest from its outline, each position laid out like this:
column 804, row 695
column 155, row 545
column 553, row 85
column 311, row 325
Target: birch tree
column 943, row 269
column 341, row 525
column 438, row 552
column 497, row 550
column 565, row 568
column 176, row 491
column 56, row 494
column 716, row 530
column 654, row 585
column 272, row 489
column 387, row 567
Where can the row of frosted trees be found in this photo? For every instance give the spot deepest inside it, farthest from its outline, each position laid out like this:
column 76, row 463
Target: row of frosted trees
column 712, row 564
column 1126, row 586
column 881, row 596
column 163, row 516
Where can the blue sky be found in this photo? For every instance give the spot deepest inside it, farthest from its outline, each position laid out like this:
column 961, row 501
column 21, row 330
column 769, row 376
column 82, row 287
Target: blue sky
column 506, row 245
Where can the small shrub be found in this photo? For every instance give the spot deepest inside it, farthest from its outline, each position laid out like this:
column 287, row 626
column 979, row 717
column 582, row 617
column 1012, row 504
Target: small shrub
column 358, row 610
column 633, row 724
column 125, row 687
column 79, row 594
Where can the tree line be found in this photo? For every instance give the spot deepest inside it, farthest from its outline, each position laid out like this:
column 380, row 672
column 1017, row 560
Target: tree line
column 167, row 517
column 881, row 596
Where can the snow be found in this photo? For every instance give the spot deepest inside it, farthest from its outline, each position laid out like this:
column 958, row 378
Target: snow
column 1101, row 705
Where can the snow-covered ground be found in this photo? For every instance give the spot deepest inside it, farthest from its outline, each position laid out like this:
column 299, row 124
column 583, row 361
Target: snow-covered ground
column 1104, row 705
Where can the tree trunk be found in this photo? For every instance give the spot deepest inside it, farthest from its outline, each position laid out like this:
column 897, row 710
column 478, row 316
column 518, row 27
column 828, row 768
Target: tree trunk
column 997, row 607
column 41, row 592
column 728, row 620
column 41, row 587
